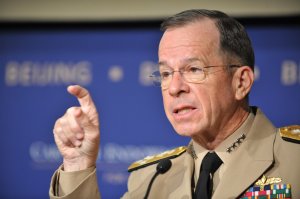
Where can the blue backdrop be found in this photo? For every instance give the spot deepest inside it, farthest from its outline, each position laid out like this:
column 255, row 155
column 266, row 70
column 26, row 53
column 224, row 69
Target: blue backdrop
column 38, row 64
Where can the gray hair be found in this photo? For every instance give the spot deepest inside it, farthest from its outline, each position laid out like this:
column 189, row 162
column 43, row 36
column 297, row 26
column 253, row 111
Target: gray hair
column 234, row 40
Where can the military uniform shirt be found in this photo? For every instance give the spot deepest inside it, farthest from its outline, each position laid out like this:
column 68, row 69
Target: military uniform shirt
column 221, row 151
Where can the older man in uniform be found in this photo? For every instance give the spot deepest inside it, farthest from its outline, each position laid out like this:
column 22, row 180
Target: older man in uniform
column 206, row 69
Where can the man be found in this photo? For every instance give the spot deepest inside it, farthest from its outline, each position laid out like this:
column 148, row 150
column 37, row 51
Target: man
column 206, row 71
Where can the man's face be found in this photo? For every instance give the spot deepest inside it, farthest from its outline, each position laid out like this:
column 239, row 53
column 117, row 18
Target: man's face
column 196, row 109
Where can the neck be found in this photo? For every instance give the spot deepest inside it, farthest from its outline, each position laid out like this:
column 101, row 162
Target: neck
column 213, row 138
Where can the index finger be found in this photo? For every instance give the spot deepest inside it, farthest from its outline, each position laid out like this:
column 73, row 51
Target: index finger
column 83, row 96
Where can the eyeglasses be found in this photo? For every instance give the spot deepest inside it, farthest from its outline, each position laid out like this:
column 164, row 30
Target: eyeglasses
column 191, row 74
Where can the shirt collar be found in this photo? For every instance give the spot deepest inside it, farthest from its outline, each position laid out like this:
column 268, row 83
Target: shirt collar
column 222, row 149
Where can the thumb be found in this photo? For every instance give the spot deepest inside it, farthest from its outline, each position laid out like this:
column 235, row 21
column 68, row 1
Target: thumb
column 81, row 119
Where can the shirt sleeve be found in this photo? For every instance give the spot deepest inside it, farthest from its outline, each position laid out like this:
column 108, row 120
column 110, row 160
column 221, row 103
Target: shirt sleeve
column 77, row 184
column 68, row 181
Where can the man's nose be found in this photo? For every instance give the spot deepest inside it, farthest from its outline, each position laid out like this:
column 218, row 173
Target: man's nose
column 178, row 84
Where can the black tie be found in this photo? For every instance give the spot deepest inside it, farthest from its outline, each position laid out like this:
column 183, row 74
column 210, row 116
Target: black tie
column 210, row 163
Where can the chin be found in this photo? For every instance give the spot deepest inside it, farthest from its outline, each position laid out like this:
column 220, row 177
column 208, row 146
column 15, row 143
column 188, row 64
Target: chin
column 187, row 132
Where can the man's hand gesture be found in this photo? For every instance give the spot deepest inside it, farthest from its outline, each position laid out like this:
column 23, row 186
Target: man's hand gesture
column 77, row 133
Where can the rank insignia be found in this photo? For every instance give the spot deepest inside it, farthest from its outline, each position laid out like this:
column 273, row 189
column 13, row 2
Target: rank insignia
column 236, row 143
column 291, row 133
column 149, row 160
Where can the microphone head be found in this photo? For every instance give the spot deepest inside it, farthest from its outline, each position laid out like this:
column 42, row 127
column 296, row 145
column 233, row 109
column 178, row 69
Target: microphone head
column 163, row 166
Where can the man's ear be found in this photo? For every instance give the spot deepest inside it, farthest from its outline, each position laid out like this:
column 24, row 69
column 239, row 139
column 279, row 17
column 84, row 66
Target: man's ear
column 242, row 81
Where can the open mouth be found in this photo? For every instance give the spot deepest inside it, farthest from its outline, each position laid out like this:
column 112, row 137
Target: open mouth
column 183, row 110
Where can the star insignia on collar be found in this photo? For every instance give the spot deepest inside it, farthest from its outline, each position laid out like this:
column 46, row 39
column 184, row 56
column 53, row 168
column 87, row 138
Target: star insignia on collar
column 236, row 143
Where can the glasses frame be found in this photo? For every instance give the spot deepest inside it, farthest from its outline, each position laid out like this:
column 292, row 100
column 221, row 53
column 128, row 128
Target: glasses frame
column 158, row 81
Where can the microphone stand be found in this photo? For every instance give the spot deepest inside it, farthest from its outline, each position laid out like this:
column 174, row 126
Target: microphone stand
column 162, row 167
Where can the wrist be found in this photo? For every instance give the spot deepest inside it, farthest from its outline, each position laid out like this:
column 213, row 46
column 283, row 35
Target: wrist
column 77, row 165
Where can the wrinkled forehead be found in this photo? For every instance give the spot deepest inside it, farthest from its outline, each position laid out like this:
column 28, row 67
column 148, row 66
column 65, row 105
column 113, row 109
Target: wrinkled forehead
column 202, row 33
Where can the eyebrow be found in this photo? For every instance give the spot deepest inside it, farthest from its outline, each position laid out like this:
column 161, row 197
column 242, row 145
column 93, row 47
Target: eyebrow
column 184, row 61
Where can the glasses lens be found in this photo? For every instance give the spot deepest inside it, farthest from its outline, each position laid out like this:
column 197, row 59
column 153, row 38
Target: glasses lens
column 194, row 74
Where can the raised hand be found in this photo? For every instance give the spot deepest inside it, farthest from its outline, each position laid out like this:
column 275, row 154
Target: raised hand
column 77, row 133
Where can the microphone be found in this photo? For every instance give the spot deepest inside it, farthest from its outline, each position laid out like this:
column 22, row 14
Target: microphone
column 162, row 167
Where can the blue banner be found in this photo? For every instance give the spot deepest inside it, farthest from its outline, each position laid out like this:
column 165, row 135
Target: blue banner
column 37, row 65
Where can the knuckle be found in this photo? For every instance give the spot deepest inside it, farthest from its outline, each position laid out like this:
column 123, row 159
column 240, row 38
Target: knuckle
column 69, row 138
column 70, row 110
column 63, row 139
column 62, row 121
column 73, row 112
column 57, row 130
column 75, row 127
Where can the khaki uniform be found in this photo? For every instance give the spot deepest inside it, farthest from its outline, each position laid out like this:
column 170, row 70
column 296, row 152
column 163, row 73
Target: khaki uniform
column 262, row 154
